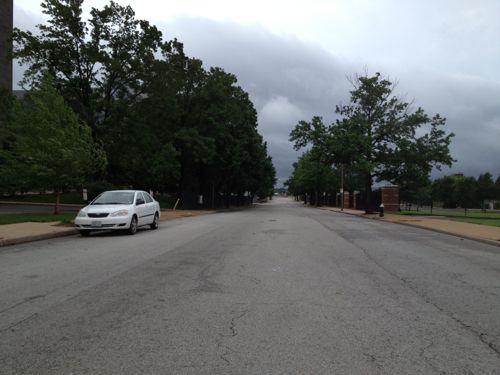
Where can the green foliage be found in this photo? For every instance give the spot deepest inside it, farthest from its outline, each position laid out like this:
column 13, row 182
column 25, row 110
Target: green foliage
column 99, row 65
column 52, row 148
column 456, row 190
column 7, row 174
column 311, row 176
column 486, row 187
column 466, row 192
column 376, row 135
column 164, row 121
column 497, row 188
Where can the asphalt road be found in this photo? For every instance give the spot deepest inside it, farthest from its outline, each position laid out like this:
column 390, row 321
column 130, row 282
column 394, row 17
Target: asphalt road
column 277, row 289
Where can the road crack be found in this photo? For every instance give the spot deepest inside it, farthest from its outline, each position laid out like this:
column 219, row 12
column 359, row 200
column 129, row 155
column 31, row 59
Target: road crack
column 232, row 333
column 406, row 283
column 480, row 335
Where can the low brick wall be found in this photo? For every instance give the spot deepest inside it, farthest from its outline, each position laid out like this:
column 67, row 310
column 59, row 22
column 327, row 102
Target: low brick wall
column 346, row 199
column 390, row 198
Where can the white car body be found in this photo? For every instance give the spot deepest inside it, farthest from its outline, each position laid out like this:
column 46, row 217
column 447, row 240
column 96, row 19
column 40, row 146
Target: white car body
column 119, row 210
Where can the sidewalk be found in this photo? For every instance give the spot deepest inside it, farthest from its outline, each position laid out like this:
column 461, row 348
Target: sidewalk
column 484, row 233
column 11, row 234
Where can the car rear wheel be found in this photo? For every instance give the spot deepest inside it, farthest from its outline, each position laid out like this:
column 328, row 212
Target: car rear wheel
column 133, row 225
column 154, row 224
column 84, row 233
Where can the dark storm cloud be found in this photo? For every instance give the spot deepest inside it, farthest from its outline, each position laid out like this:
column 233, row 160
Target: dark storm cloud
column 290, row 80
column 472, row 108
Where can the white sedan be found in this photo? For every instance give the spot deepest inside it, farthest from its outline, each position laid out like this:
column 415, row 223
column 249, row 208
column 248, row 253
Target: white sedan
column 119, row 209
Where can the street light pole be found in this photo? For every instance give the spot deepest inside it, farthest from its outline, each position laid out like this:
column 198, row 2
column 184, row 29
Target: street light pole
column 342, row 187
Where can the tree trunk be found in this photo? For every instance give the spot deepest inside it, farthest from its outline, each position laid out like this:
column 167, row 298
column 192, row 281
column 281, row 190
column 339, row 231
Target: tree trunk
column 58, row 200
column 368, row 193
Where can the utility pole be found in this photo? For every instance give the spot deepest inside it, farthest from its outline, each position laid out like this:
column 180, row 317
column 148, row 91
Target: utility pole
column 6, row 25
column 342, row 187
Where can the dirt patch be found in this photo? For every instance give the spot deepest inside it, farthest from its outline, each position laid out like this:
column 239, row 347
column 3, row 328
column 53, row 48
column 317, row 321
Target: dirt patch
column 171, row 214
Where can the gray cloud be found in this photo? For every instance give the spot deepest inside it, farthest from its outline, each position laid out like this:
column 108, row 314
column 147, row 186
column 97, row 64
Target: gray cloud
column 471, row 106
column 289, row 80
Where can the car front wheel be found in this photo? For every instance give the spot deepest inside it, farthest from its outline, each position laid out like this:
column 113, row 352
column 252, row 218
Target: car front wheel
column 133, row 225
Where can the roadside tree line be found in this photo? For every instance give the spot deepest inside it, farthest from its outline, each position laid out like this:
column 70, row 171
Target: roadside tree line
column 376, row 137
column 111, row 103
column 458, row 190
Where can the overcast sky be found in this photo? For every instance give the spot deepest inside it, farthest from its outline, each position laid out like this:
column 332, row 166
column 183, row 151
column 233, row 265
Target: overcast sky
column 293, row 58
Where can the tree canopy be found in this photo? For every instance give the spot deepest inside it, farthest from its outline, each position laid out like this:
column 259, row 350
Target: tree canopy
column 166, row 123
column 380, row 136
column 51, row 148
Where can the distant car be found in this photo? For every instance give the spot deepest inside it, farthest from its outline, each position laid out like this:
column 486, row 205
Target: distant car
column 119, row 210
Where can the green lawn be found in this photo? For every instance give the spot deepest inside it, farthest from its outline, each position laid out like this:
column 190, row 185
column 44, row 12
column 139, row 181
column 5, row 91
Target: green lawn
column 66, row 198
column 66, row 218
column 475, row 216
column 458, row 213
column 490, row 222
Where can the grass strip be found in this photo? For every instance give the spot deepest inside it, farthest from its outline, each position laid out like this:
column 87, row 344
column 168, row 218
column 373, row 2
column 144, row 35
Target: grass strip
column 65, row 218
column 471, row 214
column 490, row 222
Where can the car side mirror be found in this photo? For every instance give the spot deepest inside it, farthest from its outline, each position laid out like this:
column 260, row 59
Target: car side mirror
column 139, row 201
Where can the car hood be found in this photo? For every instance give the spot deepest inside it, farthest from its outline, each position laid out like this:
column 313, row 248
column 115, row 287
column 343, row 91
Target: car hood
column 109, row 208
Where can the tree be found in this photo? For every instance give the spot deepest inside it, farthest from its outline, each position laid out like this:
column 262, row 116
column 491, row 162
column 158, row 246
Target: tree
column 466, row 191
column 485, row 188
column 6, row 140
column 96, row 65
column 497, row 188
column 376, row 135
column 164, row 121
column 52, row 148
column 388, row 147
column 312, row 177
column 101, row 67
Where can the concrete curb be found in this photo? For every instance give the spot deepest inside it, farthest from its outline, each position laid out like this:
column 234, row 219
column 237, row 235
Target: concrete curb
column 482, row 240
column 38, row 237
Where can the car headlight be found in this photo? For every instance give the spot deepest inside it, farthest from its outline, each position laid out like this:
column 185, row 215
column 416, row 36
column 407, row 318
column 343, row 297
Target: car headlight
column 81, row 213
column 120, row 213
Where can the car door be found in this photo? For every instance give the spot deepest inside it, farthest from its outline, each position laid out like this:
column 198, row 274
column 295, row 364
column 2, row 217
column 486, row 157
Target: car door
column 141, row 209
column 151, row 208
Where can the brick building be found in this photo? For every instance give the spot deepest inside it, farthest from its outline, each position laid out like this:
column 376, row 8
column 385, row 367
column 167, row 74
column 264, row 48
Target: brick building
column 6, row 24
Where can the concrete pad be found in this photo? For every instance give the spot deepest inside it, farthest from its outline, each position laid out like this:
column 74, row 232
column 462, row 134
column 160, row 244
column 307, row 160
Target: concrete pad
column 11, row 234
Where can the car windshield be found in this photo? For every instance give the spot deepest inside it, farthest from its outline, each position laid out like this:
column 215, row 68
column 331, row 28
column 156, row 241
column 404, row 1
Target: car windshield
column 115, row 197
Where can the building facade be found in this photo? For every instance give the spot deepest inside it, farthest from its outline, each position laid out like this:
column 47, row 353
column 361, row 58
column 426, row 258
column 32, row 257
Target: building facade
column 6, row 24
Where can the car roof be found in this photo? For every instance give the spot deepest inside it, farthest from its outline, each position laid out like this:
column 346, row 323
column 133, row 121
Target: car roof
column 122, row 191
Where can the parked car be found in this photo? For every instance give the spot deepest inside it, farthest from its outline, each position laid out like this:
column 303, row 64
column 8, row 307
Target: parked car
column 119, row 210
